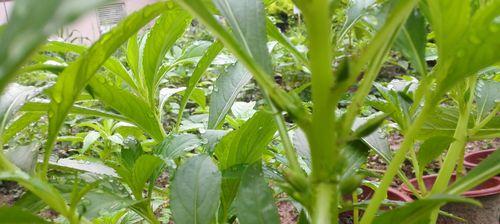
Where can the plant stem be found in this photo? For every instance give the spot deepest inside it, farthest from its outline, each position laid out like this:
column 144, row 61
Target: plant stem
column 325, row 208
column 396, row 162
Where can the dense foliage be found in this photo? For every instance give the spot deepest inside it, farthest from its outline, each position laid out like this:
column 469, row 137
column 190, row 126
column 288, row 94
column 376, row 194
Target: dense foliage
column 202, row 111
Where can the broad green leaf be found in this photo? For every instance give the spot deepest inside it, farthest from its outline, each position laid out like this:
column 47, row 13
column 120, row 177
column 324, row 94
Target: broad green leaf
column 195, row 191
column 76, row 76
column 411, row 41
column 488, row 168
column 211, row 138
column 246, row 145
column 176, row 145
column 449, row 20
column 369, row 125
column 135, row 108
column 72, row 165
column 254, row 202
column 226, row 89
column 167, row 29
column 444, row 122
column 42, row 189
column 377, row 141
column 247, row 20
column 145, row 166
column 10, row 215
column 419, row 211
column 24, row 156
column 477, row 46
column 355, row 154
column 487, row 96
column 200, row 69
column 198, row 96
column 133, row 54
column 165, row 94
column 431, row 149
column 31, row 25
column 89, row 139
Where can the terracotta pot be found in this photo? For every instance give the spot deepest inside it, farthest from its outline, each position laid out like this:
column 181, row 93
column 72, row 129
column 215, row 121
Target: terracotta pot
column 471, row 160
column 488, row 193
column 392, row 194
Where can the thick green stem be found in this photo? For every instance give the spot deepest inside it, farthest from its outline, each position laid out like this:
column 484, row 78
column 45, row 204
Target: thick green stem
column 381, row 192
column 325, row 207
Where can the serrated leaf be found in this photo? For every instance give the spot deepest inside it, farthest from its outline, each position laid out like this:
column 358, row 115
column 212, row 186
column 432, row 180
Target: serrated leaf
column 195, row 191
column 432, row 148
column 254, row 202
column 226, row 89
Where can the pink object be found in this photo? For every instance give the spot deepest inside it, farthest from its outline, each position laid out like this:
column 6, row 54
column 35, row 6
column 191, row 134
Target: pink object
column 489, row 187
column 471, row 160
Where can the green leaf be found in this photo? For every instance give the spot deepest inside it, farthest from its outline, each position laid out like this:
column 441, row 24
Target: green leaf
column 420, row 210
column 89, row 139
column 486, row 96
column 43, row 108
column 254, row 202
column 411, row 41
column 176, row 145
column 195, row 191
column 24, row 156
column 370, row 125
column 167, row 29
column 376, row 141
column 135, row 108
column 355, row 154
column 246, row 145
column 226, row 89
column 10, row 215
column 449, row 20
column 76, row 76
column 477, row 45
column 488, row 168
column 356, row 10
column 43, row 190
column 431, row 149
column 198, row 96
column 200, row 69
column 247, row 20
column 12, row 99
column 19, row 124
column 145, row 166
column 30, row 26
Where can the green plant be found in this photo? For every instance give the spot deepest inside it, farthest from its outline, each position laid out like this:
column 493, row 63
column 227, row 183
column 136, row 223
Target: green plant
column 227, row 180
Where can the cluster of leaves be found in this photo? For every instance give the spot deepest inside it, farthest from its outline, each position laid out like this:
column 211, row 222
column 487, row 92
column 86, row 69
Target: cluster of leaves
column 121, row 104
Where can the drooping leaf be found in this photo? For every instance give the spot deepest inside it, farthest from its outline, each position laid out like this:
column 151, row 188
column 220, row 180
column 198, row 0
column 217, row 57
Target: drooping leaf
column 129, row 105
column 10, row 215
column 369, row 125
column 411, row 41
column 43, row 107
column 254, row 202
column 30, row 26
column 195, row 191
column 200, row 69
column 377, row 141
column 419, row 211
column 76, row 76
column 246, row 145
column 431, row 149
column 12, row 99
column 176, row 145
column 226, row 89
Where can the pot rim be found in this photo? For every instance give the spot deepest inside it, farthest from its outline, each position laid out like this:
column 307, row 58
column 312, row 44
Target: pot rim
column 470, row 164
column 471, row 193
